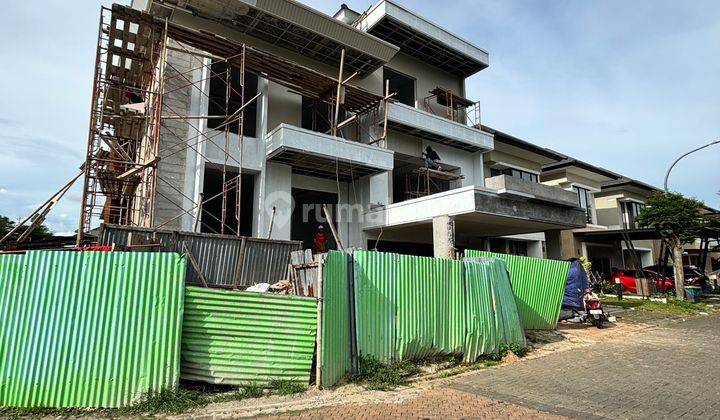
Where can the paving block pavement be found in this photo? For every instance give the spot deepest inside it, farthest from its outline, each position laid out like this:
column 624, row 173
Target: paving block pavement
column 431, row 404
column 668, row 372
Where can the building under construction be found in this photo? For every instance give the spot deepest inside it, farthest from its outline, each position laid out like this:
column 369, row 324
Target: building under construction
column 268, row 118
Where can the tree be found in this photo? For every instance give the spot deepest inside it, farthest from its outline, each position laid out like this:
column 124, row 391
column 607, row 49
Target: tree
column 6, row 225
column 679, row 221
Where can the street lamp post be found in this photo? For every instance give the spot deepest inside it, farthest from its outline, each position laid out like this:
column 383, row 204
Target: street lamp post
column 667, row 175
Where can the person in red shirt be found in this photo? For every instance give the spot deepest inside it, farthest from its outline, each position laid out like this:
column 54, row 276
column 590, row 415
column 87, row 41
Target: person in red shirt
column 320, row 240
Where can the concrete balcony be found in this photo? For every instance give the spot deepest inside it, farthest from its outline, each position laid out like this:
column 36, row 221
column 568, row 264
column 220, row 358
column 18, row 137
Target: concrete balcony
column 325, row 156
column 478, row 212
column 419, row 123
column 508, row 186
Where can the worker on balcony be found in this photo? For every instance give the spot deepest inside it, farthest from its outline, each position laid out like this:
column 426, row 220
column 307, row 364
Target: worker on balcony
column 432, row 159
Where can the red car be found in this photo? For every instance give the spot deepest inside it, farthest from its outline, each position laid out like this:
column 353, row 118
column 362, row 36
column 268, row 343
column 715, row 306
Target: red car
column 627, row 279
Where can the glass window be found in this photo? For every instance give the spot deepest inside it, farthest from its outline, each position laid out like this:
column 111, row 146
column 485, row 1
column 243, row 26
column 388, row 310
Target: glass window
column 585, row 202
column 518, row 248
column 630, row 210
column 515, row 173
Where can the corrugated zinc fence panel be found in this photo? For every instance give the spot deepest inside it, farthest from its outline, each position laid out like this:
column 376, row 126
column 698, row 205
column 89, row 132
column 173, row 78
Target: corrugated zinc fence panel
column 430, row 307
column 493, row 317
column 240, row 338
column 375, row 304
column 263, row 260
column 408, row 307
column 336, row 319
column 538, row 285
column 89, row 329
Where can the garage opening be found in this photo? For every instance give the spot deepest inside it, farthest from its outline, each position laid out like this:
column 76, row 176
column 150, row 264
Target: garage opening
column 308, row 215
column 211, row 219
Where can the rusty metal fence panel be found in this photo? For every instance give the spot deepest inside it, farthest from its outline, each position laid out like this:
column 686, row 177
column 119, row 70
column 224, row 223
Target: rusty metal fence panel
column 88, row 329
column 225, row 261
column 240, row 338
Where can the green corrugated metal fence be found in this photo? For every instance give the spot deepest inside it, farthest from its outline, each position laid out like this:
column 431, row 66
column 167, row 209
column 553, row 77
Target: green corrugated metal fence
column 492, row 315
column 239, row 338
column 336, row 319
column 88, row 329
column 538, row 285
column 410, row 307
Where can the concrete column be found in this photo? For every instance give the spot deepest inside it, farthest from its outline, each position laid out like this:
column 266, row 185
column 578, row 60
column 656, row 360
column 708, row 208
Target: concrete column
column 444, row 237
column 553, row 244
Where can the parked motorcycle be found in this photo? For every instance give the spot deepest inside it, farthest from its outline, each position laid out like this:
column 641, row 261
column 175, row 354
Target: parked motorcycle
column 593, row 309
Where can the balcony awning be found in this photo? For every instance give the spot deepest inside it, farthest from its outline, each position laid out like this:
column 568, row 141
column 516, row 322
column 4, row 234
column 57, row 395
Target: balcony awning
column 478, row 212
column 419, row 123
column 316, row 154
column 423, row 39
column 287, row 24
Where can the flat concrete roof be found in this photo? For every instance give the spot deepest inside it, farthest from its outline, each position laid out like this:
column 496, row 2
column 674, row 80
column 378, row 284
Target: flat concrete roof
column 291, row 25
column 423, row 39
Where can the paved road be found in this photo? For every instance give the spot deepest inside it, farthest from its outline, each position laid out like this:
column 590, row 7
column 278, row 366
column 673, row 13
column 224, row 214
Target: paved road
column 663, row 373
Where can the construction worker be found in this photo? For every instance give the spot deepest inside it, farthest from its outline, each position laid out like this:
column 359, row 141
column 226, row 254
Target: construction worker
column 320, row 240
column 432, row 159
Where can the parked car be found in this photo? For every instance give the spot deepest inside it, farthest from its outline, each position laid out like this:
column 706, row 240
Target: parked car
column 692, row 275
column 627, row 279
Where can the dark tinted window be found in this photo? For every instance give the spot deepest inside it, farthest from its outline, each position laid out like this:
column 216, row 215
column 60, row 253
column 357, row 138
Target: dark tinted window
column 402, row 85
column 216, row 105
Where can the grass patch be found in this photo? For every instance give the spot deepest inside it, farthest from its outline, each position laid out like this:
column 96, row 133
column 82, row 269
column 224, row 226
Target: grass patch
column 167, row 401
column 285, row 387
column 383, row 377
column 673, row 306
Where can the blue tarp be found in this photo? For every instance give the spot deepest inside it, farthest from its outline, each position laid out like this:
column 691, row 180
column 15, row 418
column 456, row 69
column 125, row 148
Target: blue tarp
column 577, row 282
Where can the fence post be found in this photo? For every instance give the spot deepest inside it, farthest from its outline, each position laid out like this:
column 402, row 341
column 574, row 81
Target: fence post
column 318, row 335
column 351, row 308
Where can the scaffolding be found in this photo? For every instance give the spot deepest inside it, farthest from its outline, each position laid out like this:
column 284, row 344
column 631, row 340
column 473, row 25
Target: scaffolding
column 130, row 116
column 454, row 107
column 424, row 181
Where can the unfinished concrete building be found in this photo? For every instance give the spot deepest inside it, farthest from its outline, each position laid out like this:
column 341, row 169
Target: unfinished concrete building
column 250, row 117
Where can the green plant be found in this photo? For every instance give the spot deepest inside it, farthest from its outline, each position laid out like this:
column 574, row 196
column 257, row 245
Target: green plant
column 516, row 348
column 587, row 265
column 250, row 390
column 383, row 377
column 673, row 306
column 607, row 288
column 171, row 401
column 679, row 221
column 285, row 387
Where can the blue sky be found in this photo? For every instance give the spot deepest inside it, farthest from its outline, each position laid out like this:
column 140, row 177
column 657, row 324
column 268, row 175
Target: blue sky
column 624, row 85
